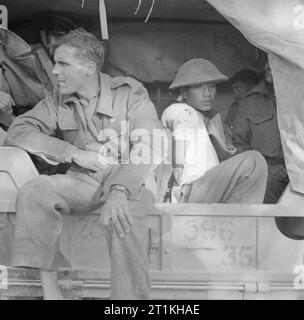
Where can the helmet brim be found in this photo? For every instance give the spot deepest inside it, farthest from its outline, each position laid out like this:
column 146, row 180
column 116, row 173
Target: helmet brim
column 176, row 84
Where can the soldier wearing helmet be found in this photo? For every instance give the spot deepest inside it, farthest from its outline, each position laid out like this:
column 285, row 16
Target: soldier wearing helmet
column 204, row 168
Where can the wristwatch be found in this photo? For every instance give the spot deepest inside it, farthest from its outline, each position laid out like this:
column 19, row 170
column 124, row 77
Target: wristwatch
column 119, row 187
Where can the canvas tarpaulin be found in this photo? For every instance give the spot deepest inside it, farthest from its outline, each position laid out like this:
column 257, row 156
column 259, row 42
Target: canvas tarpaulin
column 19, row 72
column 277, row 27
column 154, row 52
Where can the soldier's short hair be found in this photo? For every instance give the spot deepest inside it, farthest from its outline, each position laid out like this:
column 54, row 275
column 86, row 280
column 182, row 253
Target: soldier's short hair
column 86, row 44
column 246, row 76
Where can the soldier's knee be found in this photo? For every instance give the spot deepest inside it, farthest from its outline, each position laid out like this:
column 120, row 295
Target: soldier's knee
column 257, row 161
column 33, row 189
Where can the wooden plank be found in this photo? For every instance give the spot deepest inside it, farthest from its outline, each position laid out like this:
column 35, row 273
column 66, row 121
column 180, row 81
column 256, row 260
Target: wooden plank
column 213, row 209
column 233, row 210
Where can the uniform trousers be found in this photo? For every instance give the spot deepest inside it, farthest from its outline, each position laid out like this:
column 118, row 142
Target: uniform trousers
column 40, row 205
column 240, row 179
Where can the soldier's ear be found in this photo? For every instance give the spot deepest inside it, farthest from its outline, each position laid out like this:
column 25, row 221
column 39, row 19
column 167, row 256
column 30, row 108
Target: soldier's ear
column 91, row 68
column 183, row 92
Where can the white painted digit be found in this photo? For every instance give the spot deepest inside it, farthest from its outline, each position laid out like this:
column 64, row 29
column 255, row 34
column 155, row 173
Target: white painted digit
column 298, row 281
column 298, row 21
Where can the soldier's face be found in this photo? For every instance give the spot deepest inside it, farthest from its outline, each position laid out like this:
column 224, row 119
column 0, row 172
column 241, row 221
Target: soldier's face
column 69, row 70
column 240, row 89
column 200, row 96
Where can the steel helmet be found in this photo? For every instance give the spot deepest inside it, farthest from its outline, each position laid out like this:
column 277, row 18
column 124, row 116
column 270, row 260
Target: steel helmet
column 196, row 71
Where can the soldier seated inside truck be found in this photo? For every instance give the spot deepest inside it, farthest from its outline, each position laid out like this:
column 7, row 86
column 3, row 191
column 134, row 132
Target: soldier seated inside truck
column 16, row 95
column 205, row 169
column 241, row 82
column 15, row 83
column 256, row 128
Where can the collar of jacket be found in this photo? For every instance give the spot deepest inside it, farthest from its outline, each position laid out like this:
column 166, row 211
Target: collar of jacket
column 107, row 85
column 105, row 99
column 261, row 87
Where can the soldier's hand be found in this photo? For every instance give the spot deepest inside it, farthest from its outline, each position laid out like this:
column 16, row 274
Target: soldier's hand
column 115, row 212
column 89, row 160
column 6, row 102
column 101, row 150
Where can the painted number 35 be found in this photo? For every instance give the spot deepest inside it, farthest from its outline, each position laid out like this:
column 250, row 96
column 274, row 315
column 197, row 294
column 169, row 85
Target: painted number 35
column 241, row 256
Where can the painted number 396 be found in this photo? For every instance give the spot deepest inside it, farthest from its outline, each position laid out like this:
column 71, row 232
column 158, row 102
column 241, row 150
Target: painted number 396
column 209, row 230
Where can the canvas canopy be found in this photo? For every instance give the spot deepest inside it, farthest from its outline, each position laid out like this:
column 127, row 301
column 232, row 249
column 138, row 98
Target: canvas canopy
column 151, row 52
column 154, row 52
column 277, row 27
column 122, row 9
column 177, row 30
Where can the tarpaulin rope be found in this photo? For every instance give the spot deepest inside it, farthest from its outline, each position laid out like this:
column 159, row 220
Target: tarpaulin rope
column 139, row 4
column 150, row 11
column 3, row 17
column 103, row 20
